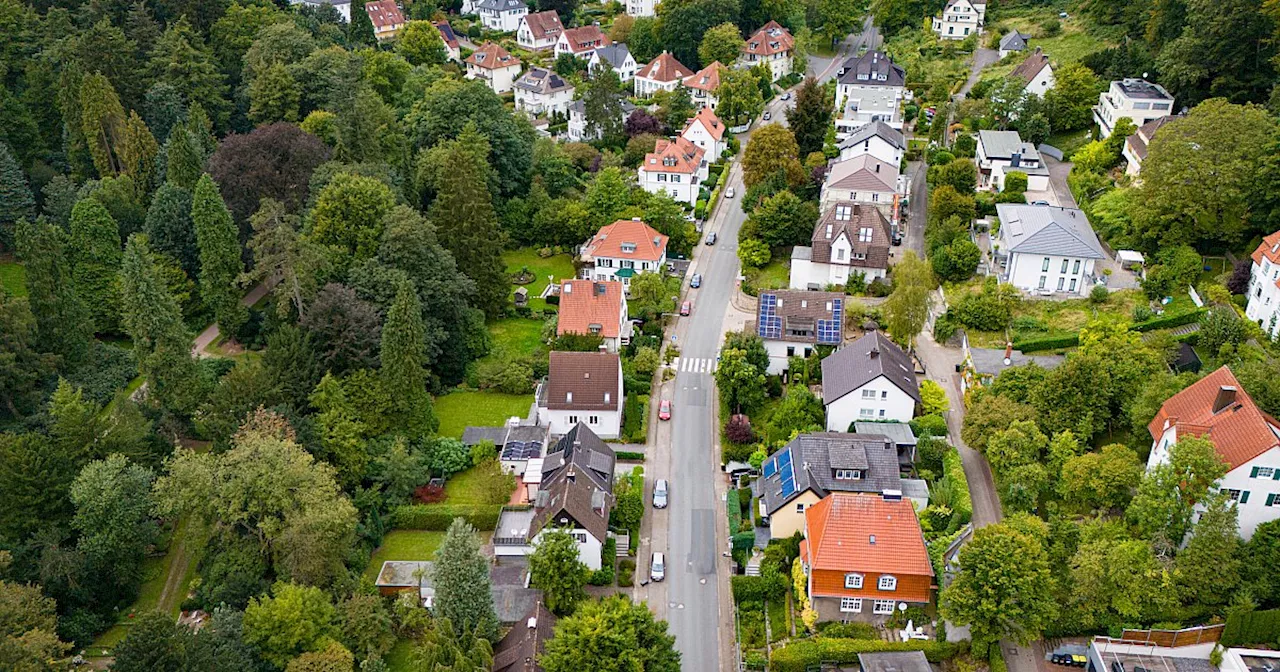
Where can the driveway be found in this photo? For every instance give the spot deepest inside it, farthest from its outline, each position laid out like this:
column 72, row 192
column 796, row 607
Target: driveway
column 1058, row 172
column 825, row 68
column 981, row 59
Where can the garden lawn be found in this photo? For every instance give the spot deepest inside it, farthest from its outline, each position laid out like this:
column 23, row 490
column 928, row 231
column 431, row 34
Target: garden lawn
column 774, row 275
column 558, row 267
column 467, row 488
column 403, row 545
column 1069, row 142
column 13, row 277
column 513, row 338
column 1212, row 268
column 1038, row 318
column 1070, row 45
column 457, row 410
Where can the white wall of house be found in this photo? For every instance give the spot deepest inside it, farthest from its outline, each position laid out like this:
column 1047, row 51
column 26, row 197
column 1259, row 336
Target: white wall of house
column 780, row 351
column 876, row 197
column 1028, row 272
column 498, row 79
column 704, row 98
column 589, row 548
column 1113, row 104
column 959, row 21
column 641, row 7
column 679, row 186
column 875, row 146
column 524, row 37
column 780, row 64
column 646, row 87
column 344, row 9
column 1035, row 182
column 606, row 268
column 536, row 103
column 879, row 399
column 805, row 272
column 1264, row 296
column 505, row 21
column 626, row 72
column 1254, row 486
column 1042, row 82
column 700, row 136
column 606, row 424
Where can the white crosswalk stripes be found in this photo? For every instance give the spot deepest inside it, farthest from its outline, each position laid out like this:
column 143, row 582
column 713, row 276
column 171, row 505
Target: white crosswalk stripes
column 695, row 364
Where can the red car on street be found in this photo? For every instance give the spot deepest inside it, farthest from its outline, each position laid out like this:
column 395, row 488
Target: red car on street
column 686, row 308
column 664, row 410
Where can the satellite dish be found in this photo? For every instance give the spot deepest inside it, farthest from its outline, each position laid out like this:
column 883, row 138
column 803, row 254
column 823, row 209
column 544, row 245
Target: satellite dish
column 902, row 606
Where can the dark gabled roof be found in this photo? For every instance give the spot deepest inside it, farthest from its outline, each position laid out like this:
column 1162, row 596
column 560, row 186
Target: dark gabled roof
column 859, row 216
column 873, row 68
column 875, row 129
column 582, row 448
column 864, row 360
column 542, row 81
column 544, row 25
column 1031, row 66
column 614, row 54
column 519, row 650
column 1014, row 41
column 800, row 316
column 806, row 463
column 574, row 494
column 502, row 5
column 447, row 34
column 583, row 381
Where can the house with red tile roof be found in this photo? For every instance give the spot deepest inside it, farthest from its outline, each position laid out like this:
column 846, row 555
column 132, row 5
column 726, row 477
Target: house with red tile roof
column 674, row 167
column 452, row 49
column 702, row 85
column 1219, row 409
column 595, row 307
column 539, row 30
column 772, row 45
column 581, row 42
column 1264, row 284
column 864, row 555
column 663, row 73
column 706, row 131
column 386, row 17
column 495, row 65
column 620, row 250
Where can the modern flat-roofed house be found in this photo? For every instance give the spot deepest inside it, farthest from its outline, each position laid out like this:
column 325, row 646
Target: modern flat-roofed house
column 876, row 138
column 1003, row 152
column 663, row 73
column 792, row 323
column 1219, row 409
column 773, row 45
column 869, row 88
column 501, row 15
column 622, row 249
column 675, row 167
column 702, row 85
column 518, row 444
column 397, row 577
column 1135, row 146
column 539, row 30
column 1139, row 100
column 495, row 65
column 868, row 379
column 386, row 17
column 1046, row 249
column 864, row 556
column 595, row 307
column 850, row 238
column 960, row 19
column 582, row 387
column 543, row 92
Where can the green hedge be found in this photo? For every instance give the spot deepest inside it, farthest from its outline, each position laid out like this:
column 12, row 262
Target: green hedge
column 1047, row 343
column 800, row 656
column 1254, row 627
column 1170, row 321
column 1072, row 340
column 734, row 511
column 438, row 517
column 629, row 455
column 758, row 588
column 953, row 470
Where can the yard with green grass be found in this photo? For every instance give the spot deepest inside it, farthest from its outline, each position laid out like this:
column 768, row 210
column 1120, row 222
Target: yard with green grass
column 1072, row 44
column 13, row 277
column 400, row 657
column 513, row 337
column 457, row 410
column 403, row 545
column 557, row 267
column 1069, row 142
column 774, row 275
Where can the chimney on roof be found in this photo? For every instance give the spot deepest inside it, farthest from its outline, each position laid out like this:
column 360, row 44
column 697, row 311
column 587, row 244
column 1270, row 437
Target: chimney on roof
column 877, row 167
column 875, row 352
column 572, row 474
column 1226, row 397
column 1008, row 353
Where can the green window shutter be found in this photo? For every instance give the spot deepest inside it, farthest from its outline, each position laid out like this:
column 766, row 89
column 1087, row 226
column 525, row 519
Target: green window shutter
column 1271, row 499
column 1253, row 473
column 1244, row 497
column 1275, row 474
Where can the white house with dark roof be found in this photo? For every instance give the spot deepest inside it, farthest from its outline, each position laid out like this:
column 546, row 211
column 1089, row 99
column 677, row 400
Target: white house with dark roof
column 866, row 380
column 792, row 323
column 1139, row 100
column 772, row 45
column 960, row 19
column 861, row 179
column 1013, row 42
column 501, row 15
column 663, row 73
column 542, row 92
column 1135, row 146
column 539, row 30
column 878, row 139
column 869, row 88
column 582, row 387
column 849, row 239
column 706, row 130
column 452, row 48
column 1002, row 152
column 616, row 57
column 1046, row 249
column 577, row 129
column 1036, row 73
column 495, row 65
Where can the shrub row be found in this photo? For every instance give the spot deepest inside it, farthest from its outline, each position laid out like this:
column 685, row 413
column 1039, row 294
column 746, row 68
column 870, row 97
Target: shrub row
column 1254, row 627
column 953, row 470
column 758, row 588
column 1170, row 321
column 1072, row 340
column 800, row 656
column 438, row 517
column 629, row 456
column 1047, row 343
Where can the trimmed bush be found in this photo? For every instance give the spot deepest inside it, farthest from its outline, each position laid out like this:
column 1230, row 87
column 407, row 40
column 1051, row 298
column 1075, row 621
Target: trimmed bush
column 1047, row 343
column 1170, row 321
column 629, row 456
column 1254, row 627
column 953, row 471
column 758, row 588
column 438, row 517
column 799, row 656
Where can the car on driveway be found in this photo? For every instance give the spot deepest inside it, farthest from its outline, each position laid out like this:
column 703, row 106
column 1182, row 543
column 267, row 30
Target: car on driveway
column 660, row 494
column 664, row 410
column 1039, row 202
column 696, row 281
column 786, row 96
column 657, row 567
column 686, row 308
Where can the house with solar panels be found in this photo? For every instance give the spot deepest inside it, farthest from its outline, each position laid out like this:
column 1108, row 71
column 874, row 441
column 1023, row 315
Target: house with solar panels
column 813, row 466
column 869, row 380
column 1045, row 249
column 794, row 323
column 517, row 443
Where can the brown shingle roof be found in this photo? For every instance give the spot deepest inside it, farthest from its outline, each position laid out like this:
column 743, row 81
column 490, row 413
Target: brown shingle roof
column 674, row 156
column 492, row 56
column 867, row 534
column 518, row 651
column 848, row 218
column 772, row 38
column 664, row 68
column 1031, row 66
column 544, row 25
column 863, row 173
column 588, row 306
column 384, row 13
column 800, row 311
column 608, row 241
column 706, row 79
column 583, row 381
column 571, row 494
column 1239, row 430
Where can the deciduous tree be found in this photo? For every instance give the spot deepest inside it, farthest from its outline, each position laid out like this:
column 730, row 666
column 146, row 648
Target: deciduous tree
column 280, row 253
column 637, row 641
column 1100, row 480
column 740, row 98
column 783, row 219
column 1209, row 566
column 294, row 619
column 273, row 161
column 772, row 149
column 741, row 384
column 721, row 43
column 907, row 307
column 349, row 213
column 557, row 570
column 274, row 96
column 420, row 44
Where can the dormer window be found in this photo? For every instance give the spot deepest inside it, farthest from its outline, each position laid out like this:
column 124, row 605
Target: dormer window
column 853, row 580
column 844, row 213
column 887, row 582
column 848, row 474
column 568, row 397
column 628, row 247
column 864, row 234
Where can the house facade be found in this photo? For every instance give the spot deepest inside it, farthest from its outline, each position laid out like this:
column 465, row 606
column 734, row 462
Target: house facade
column 810, row 466
column 663, row 73
column 539, row 30
column 622, row 249
column 1035, row 73
column 869, row 88
column 1002, row 152
column 639, row 8
column 772, row 45
column 582, row 387
column 501, row 15
column 1135, row 146
column 960, row 19
column 706, row 131
column 577, row 129
column 591, row 307
column 862, row 179
column 793, row 323
column 850, row 239
column 1045, row 249
column 1013, row 42
column 580, row 42
column 386, row 17
column 674, row 167
column 543, row 92
column 1137, row 99
column 877, row 139
column 702, row 85
column 864, row 556
column 343, row 7
column 868, row 379
column 1219, row 409
column 452, row 48
column 1264, row 285
column 495, row 65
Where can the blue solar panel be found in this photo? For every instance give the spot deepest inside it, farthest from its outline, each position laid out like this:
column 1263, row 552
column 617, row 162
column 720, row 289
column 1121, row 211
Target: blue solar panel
column 831, row 331
column 788, row 487
column 784, row 459
column 770, row 467
column 768, row 324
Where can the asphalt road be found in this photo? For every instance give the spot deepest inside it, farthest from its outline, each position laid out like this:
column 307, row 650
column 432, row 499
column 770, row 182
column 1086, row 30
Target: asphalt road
column 826, row 68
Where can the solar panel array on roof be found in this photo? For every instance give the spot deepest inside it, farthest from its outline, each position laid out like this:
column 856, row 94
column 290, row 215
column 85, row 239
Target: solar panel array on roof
column 787, row 473
column 521, row 450
column 769, row 325
column 771, row 467
column 830, row 331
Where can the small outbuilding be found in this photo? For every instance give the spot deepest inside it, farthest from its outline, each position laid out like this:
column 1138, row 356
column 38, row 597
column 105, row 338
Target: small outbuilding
column 522, row 297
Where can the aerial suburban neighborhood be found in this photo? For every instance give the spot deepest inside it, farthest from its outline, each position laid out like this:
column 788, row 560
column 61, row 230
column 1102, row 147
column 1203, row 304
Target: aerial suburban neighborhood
column 639, row 336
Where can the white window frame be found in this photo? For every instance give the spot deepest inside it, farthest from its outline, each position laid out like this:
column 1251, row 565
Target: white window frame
column 866, row 413
column 799, row 507
column 1266, row 472
column 853, row 580
column 887, row 582
column 868, row 394
column 883, row 607
column 851, row 605
column 573, row 419
column 593, row 419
